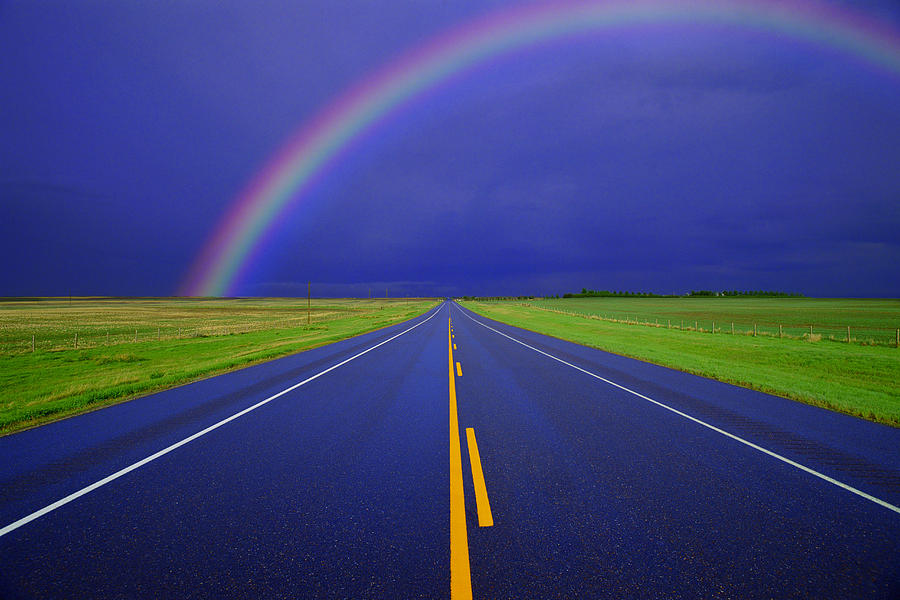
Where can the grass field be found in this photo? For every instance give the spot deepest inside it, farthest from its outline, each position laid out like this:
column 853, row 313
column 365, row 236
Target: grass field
column 860, row 379
column 126, row 348
column 871, row 321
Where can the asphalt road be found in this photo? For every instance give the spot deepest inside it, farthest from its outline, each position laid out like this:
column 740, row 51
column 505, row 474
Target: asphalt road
column 597, row 476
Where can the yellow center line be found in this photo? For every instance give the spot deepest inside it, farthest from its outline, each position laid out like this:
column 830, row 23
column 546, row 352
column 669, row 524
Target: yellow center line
column 485, row 518
column 460, row 576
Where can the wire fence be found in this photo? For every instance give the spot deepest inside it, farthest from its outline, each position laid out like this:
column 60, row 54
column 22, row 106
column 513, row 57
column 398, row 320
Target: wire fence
column 858, row 334
column 81, row 338
column 49, row 326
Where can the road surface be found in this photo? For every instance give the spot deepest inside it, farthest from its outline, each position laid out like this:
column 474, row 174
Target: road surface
column 452, row 456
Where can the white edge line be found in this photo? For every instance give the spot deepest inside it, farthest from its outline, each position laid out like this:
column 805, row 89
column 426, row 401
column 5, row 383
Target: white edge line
column 831, row 480
column 85, row 490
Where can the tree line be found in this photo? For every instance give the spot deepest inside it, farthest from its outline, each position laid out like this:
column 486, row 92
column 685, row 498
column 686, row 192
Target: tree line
column 587, row 293
column 755, row 293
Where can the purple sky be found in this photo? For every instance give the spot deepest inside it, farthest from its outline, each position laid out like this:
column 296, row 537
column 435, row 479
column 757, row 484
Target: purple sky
column 652, row 159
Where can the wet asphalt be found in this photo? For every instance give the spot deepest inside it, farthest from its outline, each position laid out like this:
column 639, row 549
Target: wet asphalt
column 340, row 487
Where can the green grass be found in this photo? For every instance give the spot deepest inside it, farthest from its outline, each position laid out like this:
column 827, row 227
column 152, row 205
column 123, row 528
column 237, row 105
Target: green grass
column 178, row 340
column 871, row 321
column 856, row 379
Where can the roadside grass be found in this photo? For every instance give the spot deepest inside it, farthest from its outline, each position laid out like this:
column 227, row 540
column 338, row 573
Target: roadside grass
column 55, row 322
column 871, row 321
column 216, row 336
column 860, row 380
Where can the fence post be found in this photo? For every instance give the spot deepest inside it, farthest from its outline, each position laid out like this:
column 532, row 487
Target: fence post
column 779, row 331
column 32, row 341
column 848, row 334
column 714, row 327
column 754, row 330
column 896, row 343
column 810, row 332
column 682, row 324
column 107, row 337
column 135, row 335
column 695, row 326
column 76, row 340
column 157, row 334
column 732, row 328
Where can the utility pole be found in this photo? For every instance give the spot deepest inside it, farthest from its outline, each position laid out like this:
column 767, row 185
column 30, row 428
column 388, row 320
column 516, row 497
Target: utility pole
column 308, row 293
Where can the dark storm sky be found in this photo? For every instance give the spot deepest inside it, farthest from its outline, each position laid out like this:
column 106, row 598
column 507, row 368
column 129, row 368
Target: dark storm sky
column 658, row 158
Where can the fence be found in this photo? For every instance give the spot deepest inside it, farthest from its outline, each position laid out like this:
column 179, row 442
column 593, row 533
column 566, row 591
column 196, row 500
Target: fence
column 863, row 335
column 85, row 338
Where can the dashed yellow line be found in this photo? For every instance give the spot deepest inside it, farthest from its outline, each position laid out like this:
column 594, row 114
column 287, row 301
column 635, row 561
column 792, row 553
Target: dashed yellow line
column 485, row 518
column 454, row 346
column 458, row 370
column 460, row 576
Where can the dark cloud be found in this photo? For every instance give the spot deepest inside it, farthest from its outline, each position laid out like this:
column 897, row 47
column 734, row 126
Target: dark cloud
column 652, row 158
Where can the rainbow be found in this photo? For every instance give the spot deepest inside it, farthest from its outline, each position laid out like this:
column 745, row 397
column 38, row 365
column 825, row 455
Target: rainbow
column 288, row 177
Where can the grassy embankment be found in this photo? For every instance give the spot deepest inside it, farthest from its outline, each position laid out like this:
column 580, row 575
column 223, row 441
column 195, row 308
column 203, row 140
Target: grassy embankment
column 178, row 340
column 859, row 378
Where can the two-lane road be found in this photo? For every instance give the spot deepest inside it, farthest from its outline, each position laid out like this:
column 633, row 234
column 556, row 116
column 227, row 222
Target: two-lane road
column 653, row 483
column 333, row 473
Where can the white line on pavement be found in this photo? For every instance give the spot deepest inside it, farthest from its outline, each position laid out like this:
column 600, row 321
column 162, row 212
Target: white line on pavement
column 75, row 495
column 831, row 480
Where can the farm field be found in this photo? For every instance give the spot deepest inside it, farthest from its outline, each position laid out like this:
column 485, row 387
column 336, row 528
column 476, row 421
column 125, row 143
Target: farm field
column 858, row 378
column 131, row 347
column 871, row 321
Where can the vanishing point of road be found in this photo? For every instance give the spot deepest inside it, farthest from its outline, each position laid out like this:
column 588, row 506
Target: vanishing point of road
column 452, row 456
